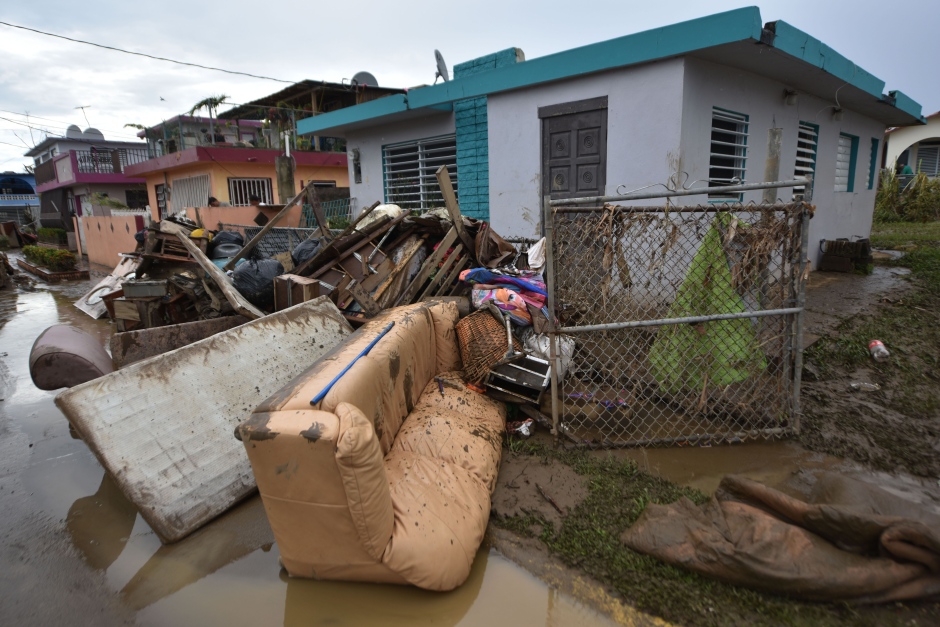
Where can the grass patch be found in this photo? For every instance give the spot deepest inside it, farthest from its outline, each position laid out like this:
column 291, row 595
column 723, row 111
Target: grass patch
column 905, row 235
column 589, row 539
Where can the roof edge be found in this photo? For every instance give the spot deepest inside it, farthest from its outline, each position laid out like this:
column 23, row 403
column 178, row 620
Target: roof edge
column 643, row 47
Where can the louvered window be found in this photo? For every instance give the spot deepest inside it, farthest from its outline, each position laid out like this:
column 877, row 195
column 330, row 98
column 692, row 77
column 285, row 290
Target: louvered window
column 410, row 168
column 806, row 142
column 928, row 159
column 728, row 156
column 846, row 155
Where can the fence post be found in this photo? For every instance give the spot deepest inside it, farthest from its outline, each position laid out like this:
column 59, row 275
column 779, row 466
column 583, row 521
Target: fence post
column 548, row 229
column 801, row 303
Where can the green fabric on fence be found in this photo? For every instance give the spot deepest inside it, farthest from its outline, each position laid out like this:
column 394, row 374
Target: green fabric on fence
column 721, row 352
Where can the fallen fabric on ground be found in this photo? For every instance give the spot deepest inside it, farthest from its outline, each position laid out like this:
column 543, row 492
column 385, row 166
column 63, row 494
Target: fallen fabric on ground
column 851, row 542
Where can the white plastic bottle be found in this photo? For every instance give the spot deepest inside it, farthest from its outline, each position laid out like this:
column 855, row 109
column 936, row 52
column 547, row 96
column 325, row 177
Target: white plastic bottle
column 878, row 350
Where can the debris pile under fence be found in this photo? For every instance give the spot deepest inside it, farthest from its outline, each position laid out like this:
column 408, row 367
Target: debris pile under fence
column 684, row 319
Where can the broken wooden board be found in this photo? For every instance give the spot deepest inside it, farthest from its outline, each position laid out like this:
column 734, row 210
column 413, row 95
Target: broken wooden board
column 429, row 266
column 163, row 427
column 238, row 302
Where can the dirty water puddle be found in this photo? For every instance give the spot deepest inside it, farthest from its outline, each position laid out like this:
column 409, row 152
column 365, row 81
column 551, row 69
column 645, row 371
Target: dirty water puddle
column 75, row 550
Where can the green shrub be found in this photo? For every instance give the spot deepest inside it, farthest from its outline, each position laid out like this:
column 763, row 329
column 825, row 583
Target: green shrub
column 52, row 236
column 52, row 258
column 918, row 201
column 4, row 242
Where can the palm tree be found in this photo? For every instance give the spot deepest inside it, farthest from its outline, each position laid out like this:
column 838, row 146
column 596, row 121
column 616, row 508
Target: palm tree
column 210, row 104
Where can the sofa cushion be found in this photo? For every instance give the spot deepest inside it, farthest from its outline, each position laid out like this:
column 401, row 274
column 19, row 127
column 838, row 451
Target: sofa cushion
column 384, row 385
column 360, row 464
column 441, row 511
column 459, row 426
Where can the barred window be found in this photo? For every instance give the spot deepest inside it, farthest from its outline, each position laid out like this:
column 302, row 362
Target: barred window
column 410, row 168
column 728, row 156
column 806, row 141
column 240, row 191
column 192, row 191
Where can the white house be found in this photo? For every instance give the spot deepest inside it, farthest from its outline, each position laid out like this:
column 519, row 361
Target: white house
column 916, row 146
column 697, row 98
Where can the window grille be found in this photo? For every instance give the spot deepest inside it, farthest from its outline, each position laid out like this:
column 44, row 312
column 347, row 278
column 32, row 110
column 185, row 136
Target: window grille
column 728, row 156
column 410, row 168
column 928, row 159
column 845, row 163
column 240, row 191
column 192, row 191
column 806, row 142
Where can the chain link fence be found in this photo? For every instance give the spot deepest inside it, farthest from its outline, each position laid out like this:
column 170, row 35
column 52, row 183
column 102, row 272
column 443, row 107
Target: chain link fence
column 277, row 240
column 681, row 324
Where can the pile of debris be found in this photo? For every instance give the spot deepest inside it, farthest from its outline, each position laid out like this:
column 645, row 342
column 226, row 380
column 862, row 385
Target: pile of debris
column 183, row 272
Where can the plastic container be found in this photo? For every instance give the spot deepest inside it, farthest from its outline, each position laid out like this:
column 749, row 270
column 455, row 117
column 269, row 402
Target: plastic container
column 878, row 350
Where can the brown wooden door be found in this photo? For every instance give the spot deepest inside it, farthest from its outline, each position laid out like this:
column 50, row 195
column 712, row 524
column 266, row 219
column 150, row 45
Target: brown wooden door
column 574, row 148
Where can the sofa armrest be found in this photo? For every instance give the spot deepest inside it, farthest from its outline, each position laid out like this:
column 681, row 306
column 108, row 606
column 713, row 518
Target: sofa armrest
column 362, row 468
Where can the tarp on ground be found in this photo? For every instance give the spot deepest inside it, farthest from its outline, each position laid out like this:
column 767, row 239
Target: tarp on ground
column 850, row 542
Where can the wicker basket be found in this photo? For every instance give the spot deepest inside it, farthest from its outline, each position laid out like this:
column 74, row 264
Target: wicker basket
column 482, row 342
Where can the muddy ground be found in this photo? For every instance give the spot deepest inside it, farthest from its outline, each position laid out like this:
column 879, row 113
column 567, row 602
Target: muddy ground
column 560, row 513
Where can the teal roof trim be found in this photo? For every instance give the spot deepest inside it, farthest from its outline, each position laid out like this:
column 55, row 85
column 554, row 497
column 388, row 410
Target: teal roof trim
column 651, row 45
column 388, row 105
column 796, row 43
column 903, row 102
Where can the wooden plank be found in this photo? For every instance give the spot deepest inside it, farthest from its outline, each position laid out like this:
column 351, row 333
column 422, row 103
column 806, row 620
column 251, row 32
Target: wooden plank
column 451, row 277
column 238, row 302
column 365, row 301
column 450, row 200
column 369, row 284
column 430, row 264
column 457, row 286
column 331, row 247
column 247, row 248
column 441, row 273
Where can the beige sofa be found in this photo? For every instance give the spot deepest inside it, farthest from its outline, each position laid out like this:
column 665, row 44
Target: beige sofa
column 387, row 479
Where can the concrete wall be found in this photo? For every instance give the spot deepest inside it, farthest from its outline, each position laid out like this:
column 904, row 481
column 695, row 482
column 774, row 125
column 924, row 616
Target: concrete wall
column 108, row 236
column 838, row 214
column 643, row 129
column 220, row 173
column 370, row 141
column 901, row 139
column 213, row 216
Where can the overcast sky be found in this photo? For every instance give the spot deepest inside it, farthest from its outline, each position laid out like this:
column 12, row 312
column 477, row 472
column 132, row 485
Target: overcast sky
column 295, row 40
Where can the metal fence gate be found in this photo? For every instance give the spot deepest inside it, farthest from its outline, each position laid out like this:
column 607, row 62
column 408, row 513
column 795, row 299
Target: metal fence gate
column 676, row 325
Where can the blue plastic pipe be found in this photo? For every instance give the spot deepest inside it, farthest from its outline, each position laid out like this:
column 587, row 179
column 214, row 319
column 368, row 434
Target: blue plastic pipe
column 319, row 397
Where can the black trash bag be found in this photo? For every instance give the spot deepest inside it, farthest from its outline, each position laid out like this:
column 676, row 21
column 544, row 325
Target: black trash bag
column 225, row 237
column 255, row 281
column 305, row 251
column 141, row 236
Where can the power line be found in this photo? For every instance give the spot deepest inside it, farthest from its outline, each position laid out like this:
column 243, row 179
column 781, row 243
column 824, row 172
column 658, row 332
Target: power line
column 44, row 130
column 63, row 124
column 141, row 54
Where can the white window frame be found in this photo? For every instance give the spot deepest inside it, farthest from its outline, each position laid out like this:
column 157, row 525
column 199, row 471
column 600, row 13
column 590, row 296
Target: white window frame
column 932, row 160
column 807, row 142
column 727, row 156
column 409, row 171
column 191, row 191
column 241, row 189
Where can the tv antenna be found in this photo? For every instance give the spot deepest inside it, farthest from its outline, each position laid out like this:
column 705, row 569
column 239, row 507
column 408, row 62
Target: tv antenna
column 441, row 67
column 85, row 114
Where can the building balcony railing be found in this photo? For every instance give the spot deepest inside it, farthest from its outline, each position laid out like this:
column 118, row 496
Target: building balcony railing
column 109, row 161
column 19, row 197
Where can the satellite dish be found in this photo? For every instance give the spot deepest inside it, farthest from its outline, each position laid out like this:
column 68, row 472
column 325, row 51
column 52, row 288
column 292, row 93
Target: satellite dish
column 73, row 132
column 441, row 67
column 365, row 78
